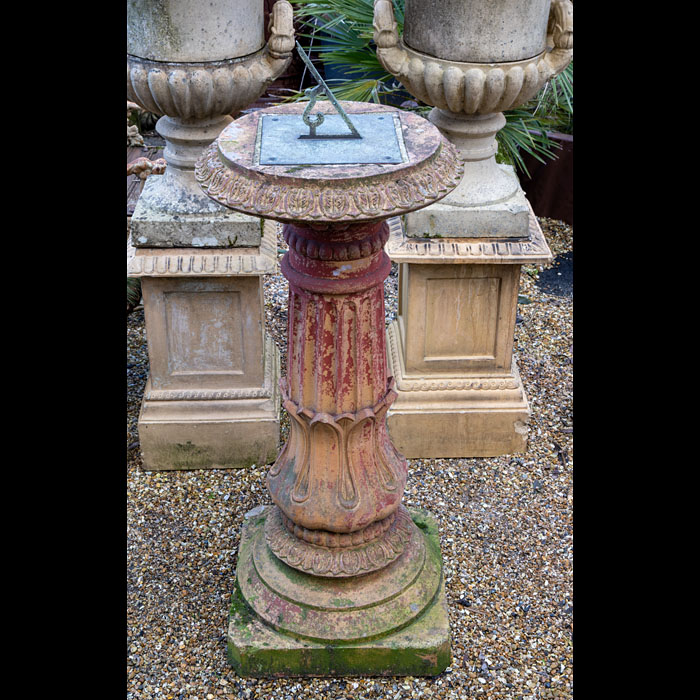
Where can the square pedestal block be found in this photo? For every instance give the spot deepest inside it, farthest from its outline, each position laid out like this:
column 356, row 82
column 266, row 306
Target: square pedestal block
column 479, row 432
column 455, row 415
column 173, row 212
column 452, row 217
column 182, row 432
column 420, row 649
column 212, row 398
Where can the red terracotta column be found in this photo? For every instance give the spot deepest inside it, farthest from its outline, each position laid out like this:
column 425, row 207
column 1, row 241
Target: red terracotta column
column 330, row 577
column 339, row 471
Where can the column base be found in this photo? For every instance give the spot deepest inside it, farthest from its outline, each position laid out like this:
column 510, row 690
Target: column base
column 221, row 431
column 470, row 415
column 258, row 649
column 482, row 432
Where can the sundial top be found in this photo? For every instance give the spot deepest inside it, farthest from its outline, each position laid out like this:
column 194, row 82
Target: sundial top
column 411, row 166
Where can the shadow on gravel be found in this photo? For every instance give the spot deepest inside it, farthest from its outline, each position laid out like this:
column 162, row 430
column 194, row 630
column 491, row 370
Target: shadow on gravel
column 558, row 279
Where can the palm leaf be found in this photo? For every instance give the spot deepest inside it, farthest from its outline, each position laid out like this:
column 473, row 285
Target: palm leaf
column 340, row 32
column 523, row 133
column 133, row 292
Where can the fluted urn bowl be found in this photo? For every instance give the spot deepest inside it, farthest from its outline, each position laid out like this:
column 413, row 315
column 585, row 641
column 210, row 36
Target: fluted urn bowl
column 475, row 56
column 194, row 64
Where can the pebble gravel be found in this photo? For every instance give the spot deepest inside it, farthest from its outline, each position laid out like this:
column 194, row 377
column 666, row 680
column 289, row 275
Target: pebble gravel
column 505, row 531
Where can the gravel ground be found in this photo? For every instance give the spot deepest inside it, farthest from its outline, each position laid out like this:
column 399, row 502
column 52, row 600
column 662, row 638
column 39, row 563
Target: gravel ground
column 505, row 528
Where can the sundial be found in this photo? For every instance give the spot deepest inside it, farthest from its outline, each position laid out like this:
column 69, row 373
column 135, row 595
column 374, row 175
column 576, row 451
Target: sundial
column 379, row 140
column 338, row 577
column 334, row 138
column 260, row 164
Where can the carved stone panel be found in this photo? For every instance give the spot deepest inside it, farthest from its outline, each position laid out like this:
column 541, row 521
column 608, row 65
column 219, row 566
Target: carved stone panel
column 204, row 334
column 461, row 317
column 204, row 345
column 458, row 322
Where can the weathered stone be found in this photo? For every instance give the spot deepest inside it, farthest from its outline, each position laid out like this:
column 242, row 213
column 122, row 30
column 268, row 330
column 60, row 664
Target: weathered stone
column 244, row 436
column 450, row 349
column 197, row 65
column 420, row 649
column 470, row 212
column 168, row 215
column 478, row 31
column 157, row 29
column 212, row 397
column 459, row 392
column 470, row 78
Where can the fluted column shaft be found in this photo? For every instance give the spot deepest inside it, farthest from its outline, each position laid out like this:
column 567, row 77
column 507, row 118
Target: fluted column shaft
column 339, row 471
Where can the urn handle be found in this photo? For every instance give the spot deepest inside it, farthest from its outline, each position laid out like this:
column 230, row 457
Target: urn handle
column 281, row 26
column 386, row 34
column 560, row 36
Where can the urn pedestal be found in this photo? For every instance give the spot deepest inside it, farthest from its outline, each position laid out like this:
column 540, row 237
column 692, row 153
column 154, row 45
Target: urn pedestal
column 471, row 61
column 211, row 397
column 337, row 578
column 451, row 346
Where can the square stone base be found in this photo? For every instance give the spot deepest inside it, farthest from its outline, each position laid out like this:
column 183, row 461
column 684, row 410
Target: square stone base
column 453, row 217
column 420, row 649
column 218, row 429
column 197, row 443
column 173, row 212
column 476, row 432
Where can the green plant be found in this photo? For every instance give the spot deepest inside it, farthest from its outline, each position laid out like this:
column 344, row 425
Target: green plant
column 341, row 31
column 554, row 104
column 133, row 293
column 140, row 117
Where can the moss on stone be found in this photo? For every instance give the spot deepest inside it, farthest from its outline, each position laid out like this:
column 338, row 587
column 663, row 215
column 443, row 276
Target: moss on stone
column 420, row 649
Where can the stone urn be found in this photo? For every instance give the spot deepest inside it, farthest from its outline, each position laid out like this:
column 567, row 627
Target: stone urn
column 197, row 64
column 471, row 60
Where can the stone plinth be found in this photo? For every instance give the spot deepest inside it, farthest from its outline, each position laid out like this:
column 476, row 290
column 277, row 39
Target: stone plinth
column 460, row 394
column 338, row 578
column 259, row 649
column 211, row 399
column 451, row 346
column 167, row 215
column 464, row 216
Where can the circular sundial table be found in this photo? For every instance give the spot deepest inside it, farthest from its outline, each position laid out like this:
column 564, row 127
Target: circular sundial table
column 337, row 578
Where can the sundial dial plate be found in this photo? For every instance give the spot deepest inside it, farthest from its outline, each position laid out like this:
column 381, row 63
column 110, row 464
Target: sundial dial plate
column 278, row 140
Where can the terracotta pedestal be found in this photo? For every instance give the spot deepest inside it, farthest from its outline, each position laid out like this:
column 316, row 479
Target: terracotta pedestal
column 451, row 345
column 337, row 578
